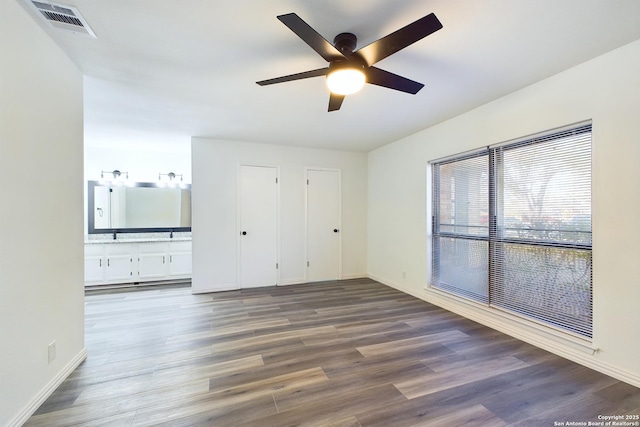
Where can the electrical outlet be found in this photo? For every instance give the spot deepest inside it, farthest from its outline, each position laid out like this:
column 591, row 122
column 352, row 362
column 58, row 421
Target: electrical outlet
column 52, row 351
column 404, row 274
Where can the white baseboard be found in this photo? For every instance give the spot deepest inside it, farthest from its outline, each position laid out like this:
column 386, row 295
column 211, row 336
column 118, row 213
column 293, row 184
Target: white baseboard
column 354, row 276
column 210, row 289
column 288, row 282
column 568, row 349
column 303, row 280
column 293, row 282
column 26, row 412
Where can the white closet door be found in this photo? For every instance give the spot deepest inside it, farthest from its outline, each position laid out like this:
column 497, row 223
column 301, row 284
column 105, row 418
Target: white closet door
column 258, row 226
column 323, row 225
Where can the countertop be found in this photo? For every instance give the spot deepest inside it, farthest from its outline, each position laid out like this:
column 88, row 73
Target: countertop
column 137, row 240
column 101, row 239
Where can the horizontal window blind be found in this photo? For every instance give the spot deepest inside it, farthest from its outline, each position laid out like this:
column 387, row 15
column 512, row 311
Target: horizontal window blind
column 512, row 228
column 541, row 242
column 549, row 284
column 460, row 243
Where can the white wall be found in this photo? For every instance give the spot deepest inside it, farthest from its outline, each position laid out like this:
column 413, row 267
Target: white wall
column 215, row 167
column 143, row 162
column 41, row 258
column 605, row 89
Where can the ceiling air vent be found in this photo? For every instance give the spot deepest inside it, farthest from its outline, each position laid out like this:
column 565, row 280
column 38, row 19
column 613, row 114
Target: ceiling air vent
column 63, row 17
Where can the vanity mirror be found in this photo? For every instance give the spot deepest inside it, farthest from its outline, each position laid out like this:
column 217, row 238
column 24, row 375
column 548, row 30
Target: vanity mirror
column 138, row 207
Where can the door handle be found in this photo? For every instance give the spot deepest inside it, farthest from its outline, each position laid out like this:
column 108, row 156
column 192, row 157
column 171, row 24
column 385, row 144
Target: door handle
column 335, row 230
column 244, row 233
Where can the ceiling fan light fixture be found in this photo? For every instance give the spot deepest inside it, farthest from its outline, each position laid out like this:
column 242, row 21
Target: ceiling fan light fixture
column 345, row 80
column 350, row 69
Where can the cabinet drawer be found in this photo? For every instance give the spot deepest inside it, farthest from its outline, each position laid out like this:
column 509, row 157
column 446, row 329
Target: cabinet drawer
column 120, row 249
column 93, row 249
column 153, row 248
column 180, row 246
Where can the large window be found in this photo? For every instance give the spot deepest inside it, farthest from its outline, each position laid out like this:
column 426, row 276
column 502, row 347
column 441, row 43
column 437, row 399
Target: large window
column 511, row 228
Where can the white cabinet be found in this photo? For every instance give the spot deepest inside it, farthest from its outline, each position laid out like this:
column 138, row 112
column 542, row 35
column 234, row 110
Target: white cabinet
column 152, row 266
column 152, row 261
column 118, row 268
column 124, row 262
column 93, row 270
column 119, row 262
column 180, row 264
column 93, row 264
column 180, row 259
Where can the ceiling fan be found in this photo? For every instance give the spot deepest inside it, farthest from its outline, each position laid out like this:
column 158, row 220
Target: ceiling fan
column 346, row 65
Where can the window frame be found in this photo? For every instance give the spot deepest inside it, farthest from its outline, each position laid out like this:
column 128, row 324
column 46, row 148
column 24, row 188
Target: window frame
column 496, row 238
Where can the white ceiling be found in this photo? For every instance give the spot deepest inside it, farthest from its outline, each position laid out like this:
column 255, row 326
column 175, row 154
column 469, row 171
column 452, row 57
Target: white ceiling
column 176, row 69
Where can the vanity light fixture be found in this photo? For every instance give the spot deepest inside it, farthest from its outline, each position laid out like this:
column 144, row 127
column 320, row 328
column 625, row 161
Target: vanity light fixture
column 170, row 175
column 116, row 174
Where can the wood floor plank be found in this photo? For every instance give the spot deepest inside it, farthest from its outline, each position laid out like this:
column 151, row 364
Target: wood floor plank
column 215, row 370
column 206, row 412
column 245, row 326
column 370, row 372
column 424, row 409
column 401, row 346
column 273, row 383
column 274, row 339
column 581, row 407
column 476, row 415
column 449, row 378
column 372, row 327
column 348, row 353
column 109, row 406
column 318, row 404
column 217, row 402
column 538, row 395
column 259, row 375
column 482, row 352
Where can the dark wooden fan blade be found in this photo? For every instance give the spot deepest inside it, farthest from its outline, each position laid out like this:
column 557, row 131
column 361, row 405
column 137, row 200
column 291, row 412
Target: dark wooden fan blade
column 311, row 37
column 335, row 101
column 383, row 78
column 298, row 76
column 400, row 39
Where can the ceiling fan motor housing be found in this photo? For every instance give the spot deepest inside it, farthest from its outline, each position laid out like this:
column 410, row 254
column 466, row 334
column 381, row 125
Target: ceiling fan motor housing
column 345, row 43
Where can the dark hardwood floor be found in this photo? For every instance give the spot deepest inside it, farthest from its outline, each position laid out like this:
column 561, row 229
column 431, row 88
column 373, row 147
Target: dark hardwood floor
column 350, row 353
